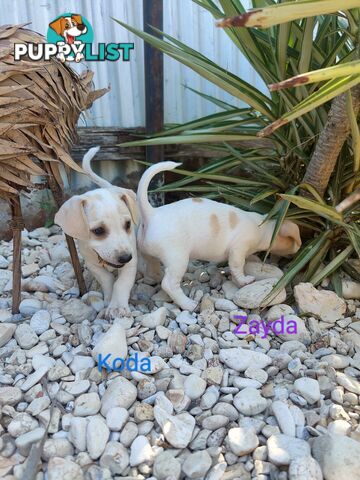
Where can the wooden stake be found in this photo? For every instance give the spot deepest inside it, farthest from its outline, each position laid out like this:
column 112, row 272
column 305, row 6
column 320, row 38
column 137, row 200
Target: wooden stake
column 154, row 91
column 58, row 197
column 76, row 264
column 17, row 226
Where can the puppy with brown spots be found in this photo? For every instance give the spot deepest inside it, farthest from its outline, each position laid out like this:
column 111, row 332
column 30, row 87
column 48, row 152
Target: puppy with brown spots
column 103, row 221
column 202, row 229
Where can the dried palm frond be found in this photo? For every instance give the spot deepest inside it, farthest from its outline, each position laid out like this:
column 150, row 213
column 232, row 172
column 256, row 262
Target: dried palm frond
column 40, row 103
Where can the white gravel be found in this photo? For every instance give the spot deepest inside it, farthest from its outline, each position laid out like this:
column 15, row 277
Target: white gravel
column 213, row 405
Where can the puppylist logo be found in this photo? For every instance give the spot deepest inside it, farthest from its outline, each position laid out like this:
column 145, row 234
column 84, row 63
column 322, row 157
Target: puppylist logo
column 70, row 38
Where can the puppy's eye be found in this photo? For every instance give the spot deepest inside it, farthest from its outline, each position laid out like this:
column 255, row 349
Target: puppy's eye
column 127, row 225
column 67, row 25
column 98, row 231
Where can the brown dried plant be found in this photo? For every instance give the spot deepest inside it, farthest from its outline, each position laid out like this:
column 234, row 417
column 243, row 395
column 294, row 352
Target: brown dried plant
column 40, row 103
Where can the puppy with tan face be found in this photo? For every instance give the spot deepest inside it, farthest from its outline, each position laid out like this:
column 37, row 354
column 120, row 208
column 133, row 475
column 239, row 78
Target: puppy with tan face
column 202, row 229
column 103, row 221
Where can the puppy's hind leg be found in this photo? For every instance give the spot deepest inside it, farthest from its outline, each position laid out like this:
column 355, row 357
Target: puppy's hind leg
column 174, row 272
column 236, row 264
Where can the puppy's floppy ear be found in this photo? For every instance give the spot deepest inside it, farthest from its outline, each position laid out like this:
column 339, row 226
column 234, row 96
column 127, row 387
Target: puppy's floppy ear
column 57, row 25
column 288, row 240
column 72, row 219
column 129, row 198
column 77, row 18
column 290, row 229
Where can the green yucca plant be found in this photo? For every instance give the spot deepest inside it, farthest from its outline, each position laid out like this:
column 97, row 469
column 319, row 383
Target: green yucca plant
column 306, row 169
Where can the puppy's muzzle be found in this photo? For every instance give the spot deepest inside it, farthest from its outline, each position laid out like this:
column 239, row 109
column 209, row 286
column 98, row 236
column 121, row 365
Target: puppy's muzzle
column 81, row 27
column 122, row 259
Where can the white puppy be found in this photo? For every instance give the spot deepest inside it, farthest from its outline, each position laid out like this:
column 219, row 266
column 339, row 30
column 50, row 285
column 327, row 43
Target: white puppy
column 103, row 221
column 202, row 229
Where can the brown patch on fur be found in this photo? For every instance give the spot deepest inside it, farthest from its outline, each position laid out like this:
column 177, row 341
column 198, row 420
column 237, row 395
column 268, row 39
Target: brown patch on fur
column 197, row 200
column 233, row 219
column 214, row 223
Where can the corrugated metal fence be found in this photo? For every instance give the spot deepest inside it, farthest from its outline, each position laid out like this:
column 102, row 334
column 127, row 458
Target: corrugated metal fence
column 124, row 105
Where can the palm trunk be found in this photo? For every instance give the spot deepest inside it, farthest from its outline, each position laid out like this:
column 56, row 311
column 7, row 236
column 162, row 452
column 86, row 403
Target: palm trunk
column 330, row 142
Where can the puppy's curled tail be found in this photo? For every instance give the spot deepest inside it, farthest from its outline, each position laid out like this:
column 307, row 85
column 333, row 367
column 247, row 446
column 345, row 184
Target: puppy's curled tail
column 142, row 191
column 87, row 168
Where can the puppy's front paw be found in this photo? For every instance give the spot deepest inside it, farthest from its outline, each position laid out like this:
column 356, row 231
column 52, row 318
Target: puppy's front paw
column 117, row 312
column 242, row 280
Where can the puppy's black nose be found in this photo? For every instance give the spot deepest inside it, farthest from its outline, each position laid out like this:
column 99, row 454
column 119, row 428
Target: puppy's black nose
column 81, row 27
column 125, row 258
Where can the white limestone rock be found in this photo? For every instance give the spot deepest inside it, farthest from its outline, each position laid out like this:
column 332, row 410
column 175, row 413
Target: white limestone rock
column 25, row 336
column 97, row 435
column 24, row 442
column 283, row 417
column 57, row 447
column 338, row 456
column 197, row 464
column 349, row 383
column 119, row 393
column 240, row 359
column 10, row 395
column 262, row 271
column 87, row 404
column 305, row 468
column 6, row 332
column 166, row 466
column 115, row 458
column 76, row 311
column 322, row 303
column 275, row 312
column 40, row 321
column 116, row 418
column 21, row 423
column 308, row 388
column 61, row 469
column 282, row 449
column 253, row 295
column 242, row 441
column 34, row 378
column 194, row 386
column 77, row 433
column 29, row 306
column 112, row 343
column 249, row 402
column 177, row 429
column 350, row 289
column 154, row 319
column 141, row 451
column 294, row 329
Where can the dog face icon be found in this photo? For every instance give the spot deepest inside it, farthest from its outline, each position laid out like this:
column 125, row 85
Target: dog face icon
column 69, row 27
